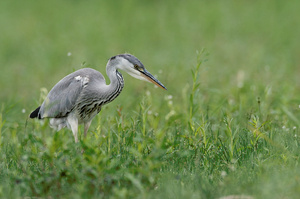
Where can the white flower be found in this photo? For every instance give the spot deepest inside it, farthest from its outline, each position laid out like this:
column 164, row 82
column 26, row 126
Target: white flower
column 170, row 114
column 69, row 54
column 294, row 128
column 223, row 173
column 168, row 97
column 23, row 110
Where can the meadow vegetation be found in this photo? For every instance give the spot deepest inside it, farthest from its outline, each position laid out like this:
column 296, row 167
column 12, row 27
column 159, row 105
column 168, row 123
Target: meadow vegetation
column 228, row 124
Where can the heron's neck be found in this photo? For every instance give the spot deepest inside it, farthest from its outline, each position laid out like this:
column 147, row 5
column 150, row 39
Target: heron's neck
column 116, row 82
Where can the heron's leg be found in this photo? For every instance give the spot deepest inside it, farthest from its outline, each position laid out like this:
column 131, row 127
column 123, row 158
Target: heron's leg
column 86, row 127
column 73, row 123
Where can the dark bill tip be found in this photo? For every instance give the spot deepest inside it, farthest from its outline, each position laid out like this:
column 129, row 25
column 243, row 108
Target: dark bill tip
column 152, row 79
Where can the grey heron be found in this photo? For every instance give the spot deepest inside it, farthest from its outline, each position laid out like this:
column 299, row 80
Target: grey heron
column 78, row 97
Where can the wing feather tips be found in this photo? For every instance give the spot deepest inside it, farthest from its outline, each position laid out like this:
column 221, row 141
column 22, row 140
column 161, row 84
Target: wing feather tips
column 35, row 113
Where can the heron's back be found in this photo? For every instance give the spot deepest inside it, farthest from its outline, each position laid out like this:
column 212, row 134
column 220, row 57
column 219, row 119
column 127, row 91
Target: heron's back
column 64, row 96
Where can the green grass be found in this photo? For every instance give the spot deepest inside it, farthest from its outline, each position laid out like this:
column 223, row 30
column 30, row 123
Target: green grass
column 228, row 124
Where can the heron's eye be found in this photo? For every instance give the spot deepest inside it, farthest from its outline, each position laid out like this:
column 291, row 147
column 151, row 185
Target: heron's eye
column 136, row 67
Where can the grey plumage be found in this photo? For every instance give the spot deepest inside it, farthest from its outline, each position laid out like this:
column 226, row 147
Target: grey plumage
column 79, row 96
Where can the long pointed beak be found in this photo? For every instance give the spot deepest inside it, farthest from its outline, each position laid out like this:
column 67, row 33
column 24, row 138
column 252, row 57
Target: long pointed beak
column 152, row 79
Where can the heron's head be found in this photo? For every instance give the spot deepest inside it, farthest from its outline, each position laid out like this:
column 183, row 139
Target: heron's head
column 134, row 67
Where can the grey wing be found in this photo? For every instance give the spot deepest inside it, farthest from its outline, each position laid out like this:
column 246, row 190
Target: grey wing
column 62, row 98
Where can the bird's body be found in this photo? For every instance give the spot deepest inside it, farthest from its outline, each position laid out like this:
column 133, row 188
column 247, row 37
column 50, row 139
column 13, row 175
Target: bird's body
column 79, row 96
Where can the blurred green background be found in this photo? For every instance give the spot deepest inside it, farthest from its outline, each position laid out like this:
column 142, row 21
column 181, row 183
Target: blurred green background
column 259, row 38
